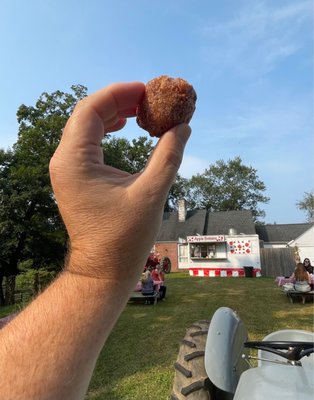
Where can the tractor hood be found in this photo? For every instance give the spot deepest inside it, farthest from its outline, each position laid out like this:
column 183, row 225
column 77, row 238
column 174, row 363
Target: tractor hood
column 275, row 381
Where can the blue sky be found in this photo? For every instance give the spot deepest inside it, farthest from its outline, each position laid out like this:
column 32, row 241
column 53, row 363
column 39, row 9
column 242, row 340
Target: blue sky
column 250, row 62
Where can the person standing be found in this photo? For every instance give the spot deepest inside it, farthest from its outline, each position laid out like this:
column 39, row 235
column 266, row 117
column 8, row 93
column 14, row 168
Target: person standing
column 308, row 266
column 163, row 287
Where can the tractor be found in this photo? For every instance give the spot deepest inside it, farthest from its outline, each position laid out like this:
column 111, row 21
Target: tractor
column 215, row 362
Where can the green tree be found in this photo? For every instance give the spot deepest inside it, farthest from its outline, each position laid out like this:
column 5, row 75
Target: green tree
column 127, row 156
column 307, row 205
column 30, row 225
column 227, row 186
column 178, row 191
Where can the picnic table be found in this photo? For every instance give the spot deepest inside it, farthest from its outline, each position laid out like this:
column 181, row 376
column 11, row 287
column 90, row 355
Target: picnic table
column 148, row 297
column 157, row 285
column 295, row 294
column 137, row 294
column 281, row 280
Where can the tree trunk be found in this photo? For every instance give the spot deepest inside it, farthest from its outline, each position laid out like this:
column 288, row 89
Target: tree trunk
column 36, row 283
column 1, row 291
column 10, row 290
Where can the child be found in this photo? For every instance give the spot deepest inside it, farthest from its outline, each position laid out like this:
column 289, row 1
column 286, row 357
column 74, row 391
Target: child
column 163, row 288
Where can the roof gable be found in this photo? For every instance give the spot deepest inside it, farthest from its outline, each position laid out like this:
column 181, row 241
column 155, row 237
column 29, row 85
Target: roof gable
column 281, row 232
column 307, row 236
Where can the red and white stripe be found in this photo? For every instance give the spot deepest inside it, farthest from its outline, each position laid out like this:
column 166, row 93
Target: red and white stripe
column 223, row 272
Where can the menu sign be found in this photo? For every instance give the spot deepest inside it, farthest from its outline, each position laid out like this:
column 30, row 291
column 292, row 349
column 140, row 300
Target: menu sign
column 206, row 239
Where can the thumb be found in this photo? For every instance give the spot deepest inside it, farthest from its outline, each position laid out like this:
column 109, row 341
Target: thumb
column 166, row 159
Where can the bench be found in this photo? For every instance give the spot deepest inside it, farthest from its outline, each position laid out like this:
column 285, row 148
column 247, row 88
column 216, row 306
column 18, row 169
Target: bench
column 139, row 296
column 294, row 294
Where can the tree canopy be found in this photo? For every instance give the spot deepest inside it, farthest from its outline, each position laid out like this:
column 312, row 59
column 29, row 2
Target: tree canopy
column 30, row 226
column 127, row 156
column 227, row 186
column 307, row 205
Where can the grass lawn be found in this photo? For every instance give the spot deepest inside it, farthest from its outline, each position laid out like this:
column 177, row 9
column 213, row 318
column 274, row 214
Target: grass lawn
column 6, row 310
column 137, row 360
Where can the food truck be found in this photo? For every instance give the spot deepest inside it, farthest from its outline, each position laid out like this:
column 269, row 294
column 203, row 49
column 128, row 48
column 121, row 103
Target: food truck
column 222, row 255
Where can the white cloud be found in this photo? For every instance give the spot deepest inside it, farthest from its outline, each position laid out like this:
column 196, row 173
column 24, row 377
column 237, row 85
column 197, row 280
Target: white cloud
column 281, row 167
column 297, row 10
column 282, row 120
column 258, row 38
column 192, row 165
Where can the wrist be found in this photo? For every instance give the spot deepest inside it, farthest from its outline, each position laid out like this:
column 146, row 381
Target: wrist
column 106, row 269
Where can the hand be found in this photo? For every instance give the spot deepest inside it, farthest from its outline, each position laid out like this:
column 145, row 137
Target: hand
column 112, row 217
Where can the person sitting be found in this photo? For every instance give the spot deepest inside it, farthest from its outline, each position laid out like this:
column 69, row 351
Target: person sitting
column 197, row 252
column 301, row 278
column 147, row 285
column 155, row 274
column 308, row 266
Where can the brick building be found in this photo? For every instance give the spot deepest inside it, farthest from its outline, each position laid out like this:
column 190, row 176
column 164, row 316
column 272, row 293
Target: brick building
column 177, row 226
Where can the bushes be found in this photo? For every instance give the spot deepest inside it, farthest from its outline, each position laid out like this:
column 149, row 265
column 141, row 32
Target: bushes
column 34, row 280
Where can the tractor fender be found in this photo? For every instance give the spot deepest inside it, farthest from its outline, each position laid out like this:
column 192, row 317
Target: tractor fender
column 224, row 362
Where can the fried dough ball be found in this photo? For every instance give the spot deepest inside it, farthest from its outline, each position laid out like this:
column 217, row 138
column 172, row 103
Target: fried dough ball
column 167, row 102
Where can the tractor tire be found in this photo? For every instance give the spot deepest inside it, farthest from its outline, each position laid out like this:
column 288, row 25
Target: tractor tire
column 166, row 265
column 191, row 381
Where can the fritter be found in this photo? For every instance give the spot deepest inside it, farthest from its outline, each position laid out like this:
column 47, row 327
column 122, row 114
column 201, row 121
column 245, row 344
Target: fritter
column 167, row 102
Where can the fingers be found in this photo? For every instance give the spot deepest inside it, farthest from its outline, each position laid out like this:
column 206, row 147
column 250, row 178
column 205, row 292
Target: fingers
column 117, row 99
column 166, row 159
column 106, row 111
column 103, row 111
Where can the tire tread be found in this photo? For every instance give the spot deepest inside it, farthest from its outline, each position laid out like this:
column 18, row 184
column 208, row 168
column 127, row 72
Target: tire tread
column 191, row 381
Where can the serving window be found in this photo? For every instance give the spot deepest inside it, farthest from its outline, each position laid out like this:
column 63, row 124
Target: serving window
column 208, row 250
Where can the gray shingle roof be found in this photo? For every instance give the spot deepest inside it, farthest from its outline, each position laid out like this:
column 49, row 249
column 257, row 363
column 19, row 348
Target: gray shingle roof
column 171, row 229
column 281, row 232
column 219, row 223
column 203, row 223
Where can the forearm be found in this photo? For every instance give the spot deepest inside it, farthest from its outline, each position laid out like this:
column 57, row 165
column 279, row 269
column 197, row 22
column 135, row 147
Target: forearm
column 65, row 329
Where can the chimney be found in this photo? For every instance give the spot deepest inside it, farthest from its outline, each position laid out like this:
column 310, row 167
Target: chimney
column 182, row 205
column 232, row 231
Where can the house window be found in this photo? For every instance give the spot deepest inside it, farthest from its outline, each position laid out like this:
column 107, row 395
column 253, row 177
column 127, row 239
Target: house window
column 183, row 252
